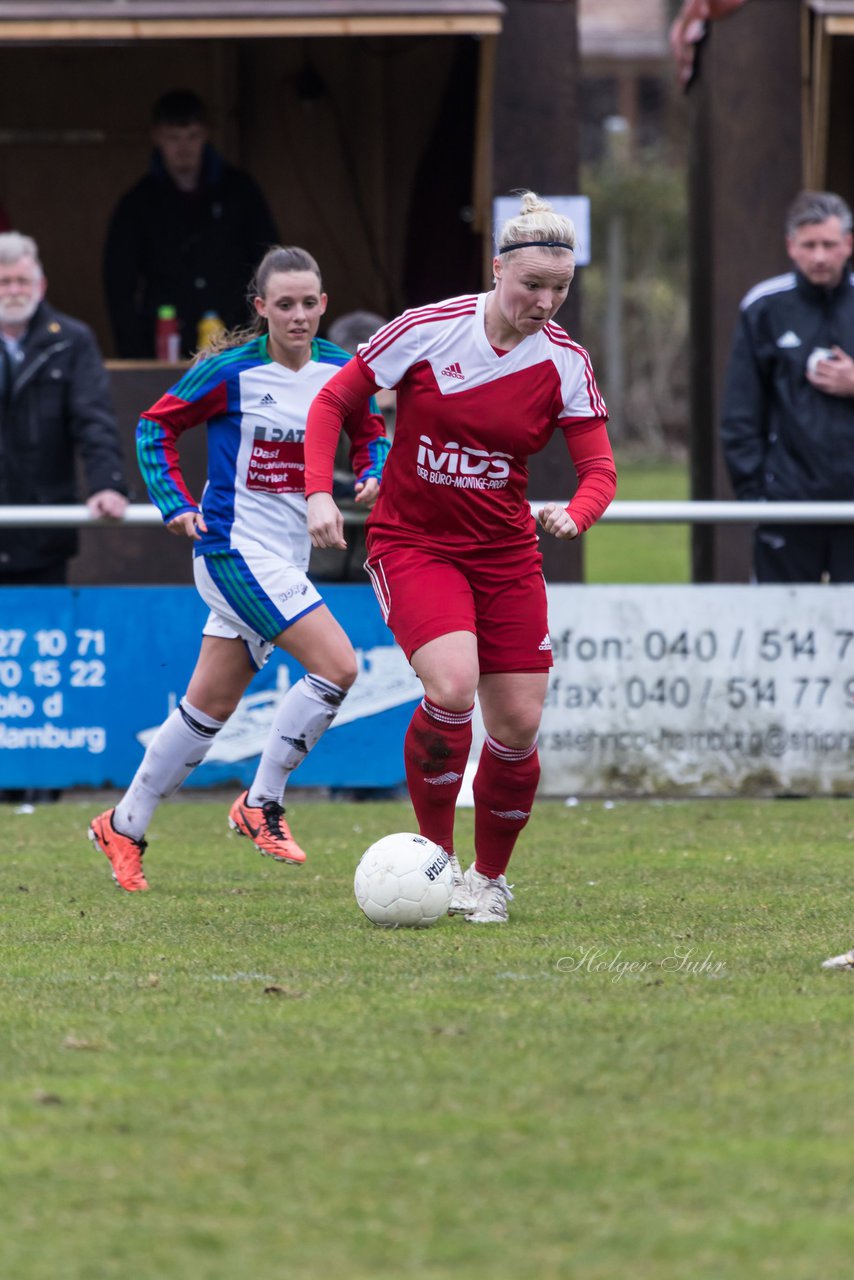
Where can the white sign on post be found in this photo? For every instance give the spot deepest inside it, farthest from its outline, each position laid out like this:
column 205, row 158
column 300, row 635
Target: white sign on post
column 577, row 208
column 700, row 690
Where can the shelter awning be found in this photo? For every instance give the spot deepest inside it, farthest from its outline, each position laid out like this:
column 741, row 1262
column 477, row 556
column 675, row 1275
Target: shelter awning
column 823, row 21
column 57, row 21
column 838, row 15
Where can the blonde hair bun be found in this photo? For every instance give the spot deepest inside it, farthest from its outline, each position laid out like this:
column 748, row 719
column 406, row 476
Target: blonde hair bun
column 537, row 220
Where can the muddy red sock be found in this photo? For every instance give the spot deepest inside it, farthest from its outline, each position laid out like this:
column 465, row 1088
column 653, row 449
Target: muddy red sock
column 504, row 788
column 436, row 751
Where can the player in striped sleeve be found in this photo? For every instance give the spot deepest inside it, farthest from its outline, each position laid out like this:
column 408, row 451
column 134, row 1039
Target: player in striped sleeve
column 482, row 383
column 251, row 552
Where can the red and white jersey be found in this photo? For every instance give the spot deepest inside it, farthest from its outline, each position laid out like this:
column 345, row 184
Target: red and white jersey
column 468, row 419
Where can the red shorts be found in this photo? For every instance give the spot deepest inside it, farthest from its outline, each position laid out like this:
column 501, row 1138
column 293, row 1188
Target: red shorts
column 500, row 598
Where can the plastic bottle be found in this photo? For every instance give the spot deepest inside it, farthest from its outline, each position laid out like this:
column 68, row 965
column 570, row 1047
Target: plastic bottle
column 210, row 327
column 167, row 336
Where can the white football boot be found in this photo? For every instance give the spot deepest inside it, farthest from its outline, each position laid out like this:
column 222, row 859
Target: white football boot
column 491, row 897
column 845, row 961
column 462, row 899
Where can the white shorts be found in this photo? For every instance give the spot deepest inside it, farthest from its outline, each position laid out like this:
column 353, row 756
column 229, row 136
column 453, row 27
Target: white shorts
column 253, row 599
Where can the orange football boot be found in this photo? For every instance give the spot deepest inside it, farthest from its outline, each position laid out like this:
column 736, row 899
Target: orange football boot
column 266, row 828
column 124, row 853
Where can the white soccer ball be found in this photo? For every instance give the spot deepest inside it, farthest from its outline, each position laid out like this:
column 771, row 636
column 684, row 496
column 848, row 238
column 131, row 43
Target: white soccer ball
column 404, row 881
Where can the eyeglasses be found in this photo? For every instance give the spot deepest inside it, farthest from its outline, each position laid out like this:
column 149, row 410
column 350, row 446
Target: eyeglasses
column 17, row 282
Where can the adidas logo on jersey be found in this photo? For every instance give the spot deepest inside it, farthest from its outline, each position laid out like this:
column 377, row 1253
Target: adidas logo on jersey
column 545, row 645
column 268, row 399
column 453, row 371
column 789, row 339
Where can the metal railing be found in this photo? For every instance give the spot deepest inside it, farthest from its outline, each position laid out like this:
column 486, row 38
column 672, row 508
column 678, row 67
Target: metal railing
column 140, row 514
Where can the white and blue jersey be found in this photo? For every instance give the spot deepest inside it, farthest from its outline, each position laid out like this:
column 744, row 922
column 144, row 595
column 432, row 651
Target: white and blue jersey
column 254, row 499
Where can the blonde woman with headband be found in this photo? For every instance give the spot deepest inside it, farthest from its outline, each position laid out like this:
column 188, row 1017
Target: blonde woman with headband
column 483, row 382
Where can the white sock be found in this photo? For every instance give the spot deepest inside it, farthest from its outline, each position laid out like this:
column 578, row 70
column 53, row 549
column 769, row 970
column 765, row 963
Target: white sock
column 303, row 716
column 180, row 744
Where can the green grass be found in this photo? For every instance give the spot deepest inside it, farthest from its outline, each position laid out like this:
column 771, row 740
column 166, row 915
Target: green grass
column 236, row 1075
column 642, row 552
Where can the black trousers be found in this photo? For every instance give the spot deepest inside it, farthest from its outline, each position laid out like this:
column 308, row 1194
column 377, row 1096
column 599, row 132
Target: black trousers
column 803, row 552
column 55, row 575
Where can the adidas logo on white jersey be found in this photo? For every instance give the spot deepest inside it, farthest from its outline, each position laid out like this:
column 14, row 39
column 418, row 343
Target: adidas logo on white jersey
column 268, row 399
column 453, row 371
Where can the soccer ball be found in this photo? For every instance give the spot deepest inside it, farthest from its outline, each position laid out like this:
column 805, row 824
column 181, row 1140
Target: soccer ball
column 404, row 881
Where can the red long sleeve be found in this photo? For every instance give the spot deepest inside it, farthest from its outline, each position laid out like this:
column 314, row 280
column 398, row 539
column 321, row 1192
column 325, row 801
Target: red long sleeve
column 349, row 389
column 590, row 450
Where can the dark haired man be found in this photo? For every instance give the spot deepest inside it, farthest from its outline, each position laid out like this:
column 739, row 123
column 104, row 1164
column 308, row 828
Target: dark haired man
column 187, row 235
column 788, row 409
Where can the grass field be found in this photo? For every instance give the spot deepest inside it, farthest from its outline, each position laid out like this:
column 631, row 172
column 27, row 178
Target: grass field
column 642, row 552
column 646, row 1074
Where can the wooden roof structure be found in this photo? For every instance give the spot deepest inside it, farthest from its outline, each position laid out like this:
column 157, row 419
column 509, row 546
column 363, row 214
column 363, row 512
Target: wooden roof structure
column 623, row 29
column 57, row 21
column 826, row 29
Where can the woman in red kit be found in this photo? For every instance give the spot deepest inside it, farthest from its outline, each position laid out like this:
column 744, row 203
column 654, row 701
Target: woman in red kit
column 482, row 382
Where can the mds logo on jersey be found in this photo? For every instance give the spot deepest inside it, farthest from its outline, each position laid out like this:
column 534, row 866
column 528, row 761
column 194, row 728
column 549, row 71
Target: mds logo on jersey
column 461, row 466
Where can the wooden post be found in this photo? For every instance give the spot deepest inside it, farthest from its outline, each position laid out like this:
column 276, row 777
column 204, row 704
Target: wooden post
column 617, row 142
column 745, row 169
column 536, row 135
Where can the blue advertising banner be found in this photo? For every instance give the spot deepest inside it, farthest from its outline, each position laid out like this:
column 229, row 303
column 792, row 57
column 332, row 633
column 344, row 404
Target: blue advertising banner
column 87, row 674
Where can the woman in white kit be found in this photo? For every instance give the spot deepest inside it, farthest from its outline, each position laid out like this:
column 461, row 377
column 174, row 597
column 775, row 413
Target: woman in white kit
column 251, row 552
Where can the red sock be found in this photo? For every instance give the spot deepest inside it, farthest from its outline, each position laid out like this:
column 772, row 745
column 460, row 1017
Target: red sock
column 504, row 788
column 436, row 751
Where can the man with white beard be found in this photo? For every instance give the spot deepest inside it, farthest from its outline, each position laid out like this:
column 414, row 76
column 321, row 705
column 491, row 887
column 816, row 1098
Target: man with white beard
column 54, row 402
column 54, row 405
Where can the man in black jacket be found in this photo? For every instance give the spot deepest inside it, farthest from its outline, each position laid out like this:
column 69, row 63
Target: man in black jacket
column 788, row 409
column 54, row 405
column 188, row 235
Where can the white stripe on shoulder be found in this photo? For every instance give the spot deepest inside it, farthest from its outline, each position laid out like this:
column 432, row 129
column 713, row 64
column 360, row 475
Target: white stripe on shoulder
column 777, row 284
